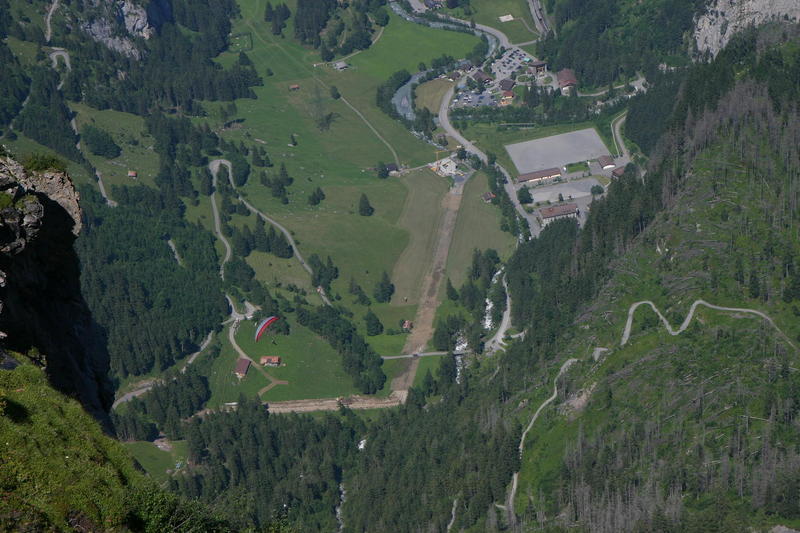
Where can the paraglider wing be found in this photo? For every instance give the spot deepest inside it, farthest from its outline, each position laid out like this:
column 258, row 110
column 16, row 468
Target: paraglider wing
column 264, row 325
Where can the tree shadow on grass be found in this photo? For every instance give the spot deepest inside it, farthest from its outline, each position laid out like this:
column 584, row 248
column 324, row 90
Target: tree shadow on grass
column 14, row 411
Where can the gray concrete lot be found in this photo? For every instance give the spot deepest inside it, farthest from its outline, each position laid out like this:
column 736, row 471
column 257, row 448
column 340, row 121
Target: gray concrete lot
column 568, row 190
column 557, row 151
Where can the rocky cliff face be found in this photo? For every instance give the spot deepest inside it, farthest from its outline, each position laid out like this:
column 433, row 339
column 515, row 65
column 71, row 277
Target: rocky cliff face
column 42, row 312
column 723, row 18
column 120, row 23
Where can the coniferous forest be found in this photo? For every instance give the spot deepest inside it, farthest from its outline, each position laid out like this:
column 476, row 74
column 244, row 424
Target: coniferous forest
column 652, row 432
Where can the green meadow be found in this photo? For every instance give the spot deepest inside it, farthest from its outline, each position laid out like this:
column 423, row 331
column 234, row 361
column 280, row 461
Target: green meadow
column 477, row 227
column 156, row 461
column 128, row 132
column 488, row 13
column 340, row 157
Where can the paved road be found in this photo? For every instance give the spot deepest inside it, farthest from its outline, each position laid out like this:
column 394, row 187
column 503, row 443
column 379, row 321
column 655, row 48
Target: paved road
column 515, row 479
column 637, row 84
column 501, row 37
column 539, row 17
column 48, row 30
column 619, row 142
column 444, row 122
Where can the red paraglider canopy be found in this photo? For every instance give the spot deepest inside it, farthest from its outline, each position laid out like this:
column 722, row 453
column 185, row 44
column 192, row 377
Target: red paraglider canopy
column 264, row 325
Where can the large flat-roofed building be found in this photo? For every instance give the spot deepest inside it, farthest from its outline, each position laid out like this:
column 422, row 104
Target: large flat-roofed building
column 540, row 176
column 557, row 212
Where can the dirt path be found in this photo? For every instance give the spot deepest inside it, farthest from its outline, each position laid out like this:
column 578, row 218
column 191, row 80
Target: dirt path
column 452, row 515
column 174, row 249
column 394, row 399
column 48, row 29
column 625, row 337
column 273, row 381
column 533, row 33
column 637, row 84
column 325, row 86
column 147, row 384
column 345, row 58
column 429, row 296
column 54, row 55
column 688, row 320
column 213, row 166
column 515, row 479
column 63, row 54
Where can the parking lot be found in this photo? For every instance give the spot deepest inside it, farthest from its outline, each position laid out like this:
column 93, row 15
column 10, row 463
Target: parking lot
column 569, row 190
column 474, row 99
column 511, row 61
column 557, row 150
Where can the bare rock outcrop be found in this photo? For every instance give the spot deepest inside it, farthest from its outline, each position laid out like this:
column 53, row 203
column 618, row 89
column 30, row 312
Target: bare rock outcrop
column 724, row 18
column 42, row 311
column 120, row 23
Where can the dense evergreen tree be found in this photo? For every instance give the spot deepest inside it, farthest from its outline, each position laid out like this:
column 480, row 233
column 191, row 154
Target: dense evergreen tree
column 151, row 311
column 364, row 207
column 373, row 323
column 323, row 274
column 316, row 196
column 46, row 117
column 100, row 142
column 359, row 360
column 294, row 463
column 384, row 289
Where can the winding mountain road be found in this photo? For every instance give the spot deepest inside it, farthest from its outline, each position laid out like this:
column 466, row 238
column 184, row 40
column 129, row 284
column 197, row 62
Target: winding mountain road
column 515, row 478
column 147, row 384
column 48, row 28
column 64, row 55
column 687, row 321
column 626, row 333
column 213, row 166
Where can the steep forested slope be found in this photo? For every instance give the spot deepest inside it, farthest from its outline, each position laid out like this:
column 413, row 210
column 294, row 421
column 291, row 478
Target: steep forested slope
column 693, row 431
column 666, row 433
column 603, row 40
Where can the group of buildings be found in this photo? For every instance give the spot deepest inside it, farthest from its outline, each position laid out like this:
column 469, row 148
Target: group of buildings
column 549, row 214
column 243, row 365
